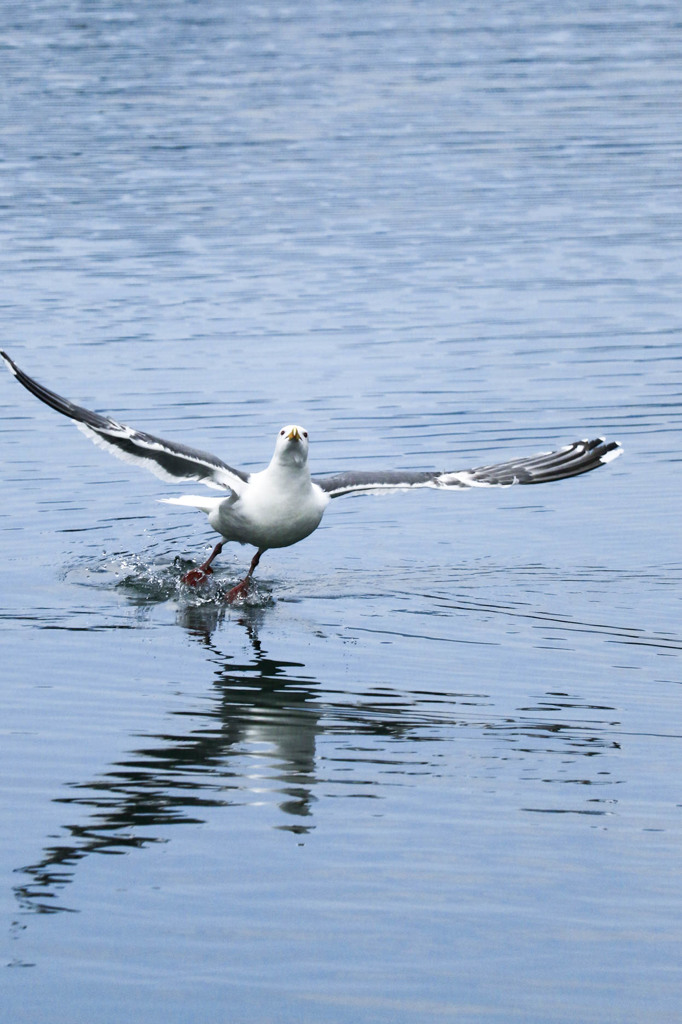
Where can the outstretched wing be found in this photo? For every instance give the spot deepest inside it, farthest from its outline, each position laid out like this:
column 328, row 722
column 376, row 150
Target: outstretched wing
column 573, row 459
column 166, row 459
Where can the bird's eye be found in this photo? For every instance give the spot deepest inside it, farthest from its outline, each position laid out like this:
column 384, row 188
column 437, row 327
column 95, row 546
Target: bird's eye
column 282, row 433
column 305, row 433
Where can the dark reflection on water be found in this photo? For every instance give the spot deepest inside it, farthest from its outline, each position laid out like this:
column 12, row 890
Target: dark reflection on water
column 262, row 705
column 256, row 740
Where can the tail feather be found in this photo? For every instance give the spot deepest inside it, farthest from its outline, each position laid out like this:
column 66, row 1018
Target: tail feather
column 200, row 501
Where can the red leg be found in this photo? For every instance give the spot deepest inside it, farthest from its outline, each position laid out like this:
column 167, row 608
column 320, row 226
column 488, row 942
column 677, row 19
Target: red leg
column 241, row 589
column 204, row 570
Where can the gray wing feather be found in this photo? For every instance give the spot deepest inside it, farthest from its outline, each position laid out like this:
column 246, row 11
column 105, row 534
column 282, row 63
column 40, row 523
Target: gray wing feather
column 572, row 460
column 166, row 459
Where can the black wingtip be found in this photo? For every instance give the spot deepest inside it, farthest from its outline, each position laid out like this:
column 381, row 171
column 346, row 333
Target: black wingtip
column 11, row 366
column 609, row 451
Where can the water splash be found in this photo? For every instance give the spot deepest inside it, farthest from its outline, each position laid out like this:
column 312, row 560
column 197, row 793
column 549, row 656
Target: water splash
column 153, row 581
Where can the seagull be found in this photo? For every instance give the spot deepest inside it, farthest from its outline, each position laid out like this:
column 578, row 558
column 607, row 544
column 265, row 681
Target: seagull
column 282, row 504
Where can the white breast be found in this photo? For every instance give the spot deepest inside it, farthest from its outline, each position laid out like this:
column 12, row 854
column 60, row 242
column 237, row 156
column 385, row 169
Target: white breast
column 278, row 507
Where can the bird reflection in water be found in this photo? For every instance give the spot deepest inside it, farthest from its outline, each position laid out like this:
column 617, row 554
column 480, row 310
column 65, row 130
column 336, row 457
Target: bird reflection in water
column 253, row 740
column 265, row 711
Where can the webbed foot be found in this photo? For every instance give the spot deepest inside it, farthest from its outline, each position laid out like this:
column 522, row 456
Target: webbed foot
column 196, row 576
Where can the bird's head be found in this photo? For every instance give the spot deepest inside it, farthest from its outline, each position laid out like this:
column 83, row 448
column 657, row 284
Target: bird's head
column 292, row 445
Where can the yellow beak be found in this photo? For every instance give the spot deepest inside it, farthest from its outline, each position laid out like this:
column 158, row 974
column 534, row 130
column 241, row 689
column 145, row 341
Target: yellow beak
column 294, row 435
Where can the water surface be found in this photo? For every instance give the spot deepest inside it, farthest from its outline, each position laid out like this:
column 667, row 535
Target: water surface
column 428, row 770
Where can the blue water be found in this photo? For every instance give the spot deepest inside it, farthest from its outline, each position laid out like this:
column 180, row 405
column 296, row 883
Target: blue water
column 430, row 769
